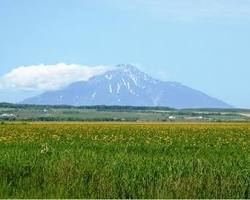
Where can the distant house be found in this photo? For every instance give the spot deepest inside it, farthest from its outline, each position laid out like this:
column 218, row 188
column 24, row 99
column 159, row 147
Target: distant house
column 172, row 117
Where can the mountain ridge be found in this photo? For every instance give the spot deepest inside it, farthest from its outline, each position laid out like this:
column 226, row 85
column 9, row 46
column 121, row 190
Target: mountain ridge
column 126, row 85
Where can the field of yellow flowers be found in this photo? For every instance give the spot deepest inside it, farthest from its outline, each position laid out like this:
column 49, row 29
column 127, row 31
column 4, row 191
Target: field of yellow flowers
column 112, row 160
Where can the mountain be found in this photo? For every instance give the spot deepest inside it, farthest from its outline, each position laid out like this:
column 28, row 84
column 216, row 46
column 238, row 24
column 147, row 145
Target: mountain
column 126, row 85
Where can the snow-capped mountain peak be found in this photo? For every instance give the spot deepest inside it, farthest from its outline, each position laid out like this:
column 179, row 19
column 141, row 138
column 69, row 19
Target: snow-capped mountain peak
column 127, row 75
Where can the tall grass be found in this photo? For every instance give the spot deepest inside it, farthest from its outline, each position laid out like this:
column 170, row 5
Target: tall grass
column 124, row 161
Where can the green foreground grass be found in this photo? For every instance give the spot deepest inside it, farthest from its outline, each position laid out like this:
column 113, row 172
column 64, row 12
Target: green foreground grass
column 95, row 160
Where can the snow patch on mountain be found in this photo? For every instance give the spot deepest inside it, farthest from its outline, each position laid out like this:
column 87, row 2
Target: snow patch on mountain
column 118, row 88
column 110, row 89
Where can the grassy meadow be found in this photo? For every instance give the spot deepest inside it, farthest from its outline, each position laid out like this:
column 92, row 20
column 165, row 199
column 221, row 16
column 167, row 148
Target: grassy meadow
column 124, row 160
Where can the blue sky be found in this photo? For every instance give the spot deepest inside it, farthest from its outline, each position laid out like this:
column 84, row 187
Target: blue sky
column 204, row 44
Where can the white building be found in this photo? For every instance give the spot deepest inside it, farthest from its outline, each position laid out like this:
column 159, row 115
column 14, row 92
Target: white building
column 7, row 115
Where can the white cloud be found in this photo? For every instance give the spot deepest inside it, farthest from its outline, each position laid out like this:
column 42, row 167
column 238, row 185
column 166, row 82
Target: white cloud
column 48, row 77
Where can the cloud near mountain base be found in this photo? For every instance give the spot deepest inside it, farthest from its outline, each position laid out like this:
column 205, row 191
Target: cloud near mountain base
column 48, row 77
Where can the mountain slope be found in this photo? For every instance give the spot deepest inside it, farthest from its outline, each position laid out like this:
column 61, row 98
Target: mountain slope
column 126, row 85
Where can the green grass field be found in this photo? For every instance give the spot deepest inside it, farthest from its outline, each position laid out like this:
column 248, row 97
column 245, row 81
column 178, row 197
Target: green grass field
column 129, row 160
